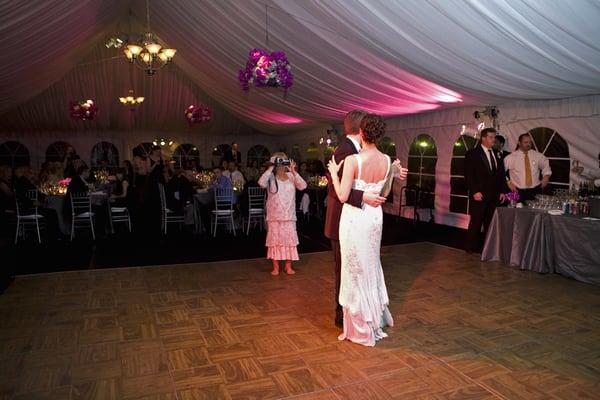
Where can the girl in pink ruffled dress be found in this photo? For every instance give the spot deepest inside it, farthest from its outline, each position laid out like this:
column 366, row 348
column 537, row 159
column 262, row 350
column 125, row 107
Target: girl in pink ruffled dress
column 281, row 181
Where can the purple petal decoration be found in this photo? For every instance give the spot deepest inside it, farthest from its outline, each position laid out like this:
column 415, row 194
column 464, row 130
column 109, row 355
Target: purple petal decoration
column 264, row 69
column 195, row 114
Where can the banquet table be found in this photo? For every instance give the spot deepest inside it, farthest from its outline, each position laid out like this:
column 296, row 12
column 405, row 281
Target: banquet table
column 538, row 241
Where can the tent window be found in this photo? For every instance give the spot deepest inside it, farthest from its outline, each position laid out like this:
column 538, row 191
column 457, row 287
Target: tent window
column 548, row 142
column 422, row 158
column 143, row 149
column 459, row 198
column 57, row 151
column 14, row 154
column 184, row 154
column 258, row 153
column 105, row 151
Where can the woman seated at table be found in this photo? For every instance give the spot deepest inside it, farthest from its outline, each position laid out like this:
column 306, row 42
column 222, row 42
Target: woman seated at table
column 79, row 183
column 121, row 195
column 281, row 183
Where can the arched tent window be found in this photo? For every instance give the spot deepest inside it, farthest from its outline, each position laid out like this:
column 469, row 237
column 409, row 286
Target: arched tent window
column 312, row 151
column 185, row 153
column 422, row 158
column 142, row 149
column 57, row 151
column 218, row 153
column 14, row 154
column 548, row 142
column 105, row 151
column 387, row 146
column 459, row 196
column 258, row 153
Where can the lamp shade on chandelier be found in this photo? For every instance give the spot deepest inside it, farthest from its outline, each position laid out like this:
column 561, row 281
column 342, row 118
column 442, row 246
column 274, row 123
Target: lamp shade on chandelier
column 131, row 100
column 150, row 56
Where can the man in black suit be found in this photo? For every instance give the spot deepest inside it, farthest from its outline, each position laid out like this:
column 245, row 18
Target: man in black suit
column 349, row 145
column 233, row 154
column 486, row 182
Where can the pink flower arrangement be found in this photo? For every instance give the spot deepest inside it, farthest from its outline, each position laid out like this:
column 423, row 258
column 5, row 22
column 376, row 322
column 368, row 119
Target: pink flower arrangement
column 64, row 182
column 197, row 114
column 83, row 110
column 266, row 70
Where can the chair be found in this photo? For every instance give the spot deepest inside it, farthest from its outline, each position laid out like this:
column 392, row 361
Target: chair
column 303, row 207
column 223, row 212
column 418, row 199
column 119, row 214
column 256, row 207
column 167, row 215
column 81, row 213
column 27, row 214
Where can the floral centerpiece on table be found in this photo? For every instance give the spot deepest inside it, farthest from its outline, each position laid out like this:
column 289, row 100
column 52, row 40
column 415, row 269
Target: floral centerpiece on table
column 318, row 181
column 195, row 114
column 83, row 110
column 101, row 176
column 266, row 70
column 203, row 178
column 513, row 197
column 55, row 188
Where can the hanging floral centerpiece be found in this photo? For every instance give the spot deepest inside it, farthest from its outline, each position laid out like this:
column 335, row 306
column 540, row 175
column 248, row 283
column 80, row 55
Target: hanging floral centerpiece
column 195, row 114
column 266, row 70
column 83, row 110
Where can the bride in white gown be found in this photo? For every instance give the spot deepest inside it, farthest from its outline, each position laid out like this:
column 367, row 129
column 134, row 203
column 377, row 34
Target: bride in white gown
column 363, row 294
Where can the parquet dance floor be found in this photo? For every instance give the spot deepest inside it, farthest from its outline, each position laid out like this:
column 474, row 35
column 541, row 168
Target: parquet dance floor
column 464, row 330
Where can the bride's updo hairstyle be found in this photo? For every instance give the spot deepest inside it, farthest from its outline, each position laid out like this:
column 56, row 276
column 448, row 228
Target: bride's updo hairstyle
column 373, row 128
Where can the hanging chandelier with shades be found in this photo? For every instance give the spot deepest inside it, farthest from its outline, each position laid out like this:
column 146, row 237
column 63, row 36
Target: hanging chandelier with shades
column 150, row 55
column 131, row 100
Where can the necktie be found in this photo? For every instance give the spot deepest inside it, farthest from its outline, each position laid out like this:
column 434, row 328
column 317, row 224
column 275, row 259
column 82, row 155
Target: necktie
column 492, row 161
column 528, row 177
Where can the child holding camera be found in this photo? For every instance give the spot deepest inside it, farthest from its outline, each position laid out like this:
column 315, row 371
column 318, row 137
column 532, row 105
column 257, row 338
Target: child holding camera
column 281, row 181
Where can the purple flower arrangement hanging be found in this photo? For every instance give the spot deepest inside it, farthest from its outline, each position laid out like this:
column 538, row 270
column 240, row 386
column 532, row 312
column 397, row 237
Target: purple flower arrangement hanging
column 197, row 114
column 83, row 110
column 512, row 196
column 266, row 70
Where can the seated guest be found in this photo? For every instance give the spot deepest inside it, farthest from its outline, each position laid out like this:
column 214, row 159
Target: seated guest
column 237, row 178
column 120, row 194
column 252, row 172
column 23, row 180
column 44, row 172
column 179, row 191
column 79, row 183
column 304, row 173
column 220, row 181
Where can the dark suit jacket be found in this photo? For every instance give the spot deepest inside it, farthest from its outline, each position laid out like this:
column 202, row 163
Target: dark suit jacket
column 334, row 206
column 479, row 177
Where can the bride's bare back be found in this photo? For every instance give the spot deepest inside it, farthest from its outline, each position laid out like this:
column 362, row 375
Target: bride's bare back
column 374, row 166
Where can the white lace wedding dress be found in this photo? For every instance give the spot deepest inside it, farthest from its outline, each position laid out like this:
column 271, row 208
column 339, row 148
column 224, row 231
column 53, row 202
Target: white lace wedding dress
column 363, row 294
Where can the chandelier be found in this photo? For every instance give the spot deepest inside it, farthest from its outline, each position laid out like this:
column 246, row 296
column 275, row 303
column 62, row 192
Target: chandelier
column 162, row 142
column 131, row 100
column 149, row 55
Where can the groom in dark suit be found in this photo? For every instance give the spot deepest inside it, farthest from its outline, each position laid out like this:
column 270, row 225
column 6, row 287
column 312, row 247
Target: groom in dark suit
column 486, row 182
column 349, row 145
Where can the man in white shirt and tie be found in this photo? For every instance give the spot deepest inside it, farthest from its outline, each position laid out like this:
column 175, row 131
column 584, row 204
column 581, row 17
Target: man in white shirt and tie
column 524, row 167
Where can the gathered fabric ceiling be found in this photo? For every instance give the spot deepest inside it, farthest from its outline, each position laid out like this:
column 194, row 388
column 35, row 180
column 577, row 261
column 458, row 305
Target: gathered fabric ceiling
column 384, row 56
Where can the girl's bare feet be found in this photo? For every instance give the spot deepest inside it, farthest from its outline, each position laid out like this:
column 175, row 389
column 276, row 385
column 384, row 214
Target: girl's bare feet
column 275, row 268
column 288, row 268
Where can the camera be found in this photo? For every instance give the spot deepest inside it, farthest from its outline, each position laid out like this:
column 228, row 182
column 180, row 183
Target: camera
column 282, row 161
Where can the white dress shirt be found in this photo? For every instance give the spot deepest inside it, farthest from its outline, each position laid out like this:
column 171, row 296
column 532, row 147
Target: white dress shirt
column 237, row 177
column 355, row 143
column 514, row 163
column 487, row 152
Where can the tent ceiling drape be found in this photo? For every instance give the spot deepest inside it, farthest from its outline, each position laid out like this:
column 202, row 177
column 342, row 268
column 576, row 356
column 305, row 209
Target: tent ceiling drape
column 390, row 57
